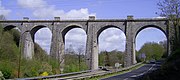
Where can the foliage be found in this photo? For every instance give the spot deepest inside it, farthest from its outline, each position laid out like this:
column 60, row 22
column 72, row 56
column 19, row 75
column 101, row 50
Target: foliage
column 44, row 74
column 168, row 71
column 152, row 50
column 171, row 10
column 9, row 58
column 6, row 69
column 171, row 68
column 72, row 63
column 41, row 64
column 110, row 58
column 1, row 76
column 40, row 54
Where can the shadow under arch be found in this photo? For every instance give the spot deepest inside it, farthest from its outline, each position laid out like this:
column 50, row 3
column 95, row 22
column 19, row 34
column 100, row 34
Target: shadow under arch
column 9, row 27
column 107, row 27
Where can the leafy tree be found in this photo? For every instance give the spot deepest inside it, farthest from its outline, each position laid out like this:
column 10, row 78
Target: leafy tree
column 152, row 50
column 171, row 9
column 110, row 58
column 164, row 45
column 74, row 59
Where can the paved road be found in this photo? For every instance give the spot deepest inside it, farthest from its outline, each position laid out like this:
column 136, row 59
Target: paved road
column 133, row 75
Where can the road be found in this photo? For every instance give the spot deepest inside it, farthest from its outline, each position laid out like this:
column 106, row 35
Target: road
column 133, row 75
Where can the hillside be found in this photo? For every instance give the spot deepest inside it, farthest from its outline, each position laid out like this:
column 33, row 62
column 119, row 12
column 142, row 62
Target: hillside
column 10, row 54
column 41, row 63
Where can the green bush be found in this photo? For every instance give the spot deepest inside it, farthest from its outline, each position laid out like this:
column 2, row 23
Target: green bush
column 6, row 69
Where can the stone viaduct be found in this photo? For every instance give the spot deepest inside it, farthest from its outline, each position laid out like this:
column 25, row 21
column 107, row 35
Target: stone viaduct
column 93, row 27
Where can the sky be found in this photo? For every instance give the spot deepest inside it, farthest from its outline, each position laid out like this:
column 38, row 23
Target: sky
column 109, row 39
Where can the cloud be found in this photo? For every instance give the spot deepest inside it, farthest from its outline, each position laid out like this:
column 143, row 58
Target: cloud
column 32, row 4
column 75, row 37
column 41, row 9
column 43, row 38
column 111, row 39
column 4, row 11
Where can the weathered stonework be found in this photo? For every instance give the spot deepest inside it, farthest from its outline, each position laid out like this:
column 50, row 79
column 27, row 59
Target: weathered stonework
column 131, row 27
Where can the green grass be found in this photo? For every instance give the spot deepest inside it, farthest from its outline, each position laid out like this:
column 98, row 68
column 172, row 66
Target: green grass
column 114, row 74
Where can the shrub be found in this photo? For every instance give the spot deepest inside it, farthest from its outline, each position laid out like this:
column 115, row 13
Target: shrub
column 44, row 74
column 6, row 69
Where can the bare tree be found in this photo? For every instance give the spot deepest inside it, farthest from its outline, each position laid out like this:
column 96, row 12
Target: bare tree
column 2, row 17
column 70, row 50
column 80, row 52
column 171, row 10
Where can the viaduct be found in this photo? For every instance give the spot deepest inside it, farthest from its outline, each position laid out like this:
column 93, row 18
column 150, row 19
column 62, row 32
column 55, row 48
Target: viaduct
column 93, row 27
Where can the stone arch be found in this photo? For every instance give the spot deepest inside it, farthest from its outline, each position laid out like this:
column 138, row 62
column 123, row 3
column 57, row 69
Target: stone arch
column 106, row 27
column 164, row 32
column 68, row 28
column 35, row 29
column 153, row 26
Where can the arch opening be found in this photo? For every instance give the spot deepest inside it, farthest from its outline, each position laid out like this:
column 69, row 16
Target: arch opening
column 35, row 29
column 75, row 46
column 111, row 41
column 106, row 27
column 42, row 37
column 151, row 44
column 67, row 29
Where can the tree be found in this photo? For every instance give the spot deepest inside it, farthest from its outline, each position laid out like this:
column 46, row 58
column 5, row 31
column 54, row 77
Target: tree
column 152, row 50
column 171, row 10
column 2, row 17
column 70, row 50
column 80, row 52
column 164, row 45
column 110, row 58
